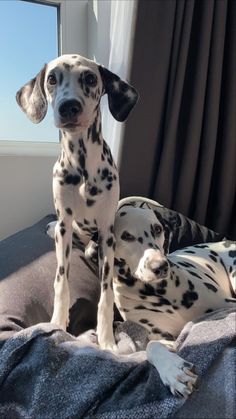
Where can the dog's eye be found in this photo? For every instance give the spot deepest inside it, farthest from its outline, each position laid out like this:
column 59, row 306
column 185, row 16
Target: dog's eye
column 157, row 230
column 52, row 79
column 91, row 79
column 126, row 236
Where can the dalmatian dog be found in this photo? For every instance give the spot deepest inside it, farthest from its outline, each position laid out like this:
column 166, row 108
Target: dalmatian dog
column 85, row 177
column 163, row 291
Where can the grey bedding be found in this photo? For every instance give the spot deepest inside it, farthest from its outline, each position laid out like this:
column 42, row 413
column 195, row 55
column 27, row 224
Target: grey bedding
column 47, row 373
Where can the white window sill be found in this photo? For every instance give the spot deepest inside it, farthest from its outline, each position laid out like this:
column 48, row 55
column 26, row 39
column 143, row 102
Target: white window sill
column 28, row 148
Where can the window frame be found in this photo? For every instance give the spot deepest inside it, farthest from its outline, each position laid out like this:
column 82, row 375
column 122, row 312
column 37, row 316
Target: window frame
column 72, row 37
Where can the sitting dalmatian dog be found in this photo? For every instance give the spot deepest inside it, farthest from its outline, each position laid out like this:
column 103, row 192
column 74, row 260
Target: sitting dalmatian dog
column 85, row 177
column 162, row 291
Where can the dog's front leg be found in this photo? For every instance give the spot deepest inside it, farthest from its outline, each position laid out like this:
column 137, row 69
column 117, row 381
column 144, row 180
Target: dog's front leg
column 63, row 240
column 106, row 246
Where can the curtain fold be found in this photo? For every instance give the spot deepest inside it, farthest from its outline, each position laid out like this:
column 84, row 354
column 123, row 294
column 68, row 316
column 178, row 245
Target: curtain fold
column 190, row 161
column 122, row 15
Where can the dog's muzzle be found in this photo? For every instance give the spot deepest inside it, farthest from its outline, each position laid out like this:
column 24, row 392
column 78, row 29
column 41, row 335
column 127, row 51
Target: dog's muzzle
column 69, row 110
column 160, row 269
column 152, row 266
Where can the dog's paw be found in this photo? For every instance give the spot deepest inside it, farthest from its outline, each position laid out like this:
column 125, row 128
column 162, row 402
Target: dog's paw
column 91, row 252
column 60, row 322
column 175, row 372
column 50, row 229
column 181, row 378
column 88, row 338
column 178, row 375
column 107, row 343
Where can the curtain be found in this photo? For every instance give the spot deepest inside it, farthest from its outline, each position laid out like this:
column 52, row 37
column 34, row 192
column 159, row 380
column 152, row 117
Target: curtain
column 180, row 146
column 121, row 30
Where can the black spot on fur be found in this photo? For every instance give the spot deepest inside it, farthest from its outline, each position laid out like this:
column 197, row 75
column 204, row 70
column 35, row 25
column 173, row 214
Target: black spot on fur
column 167, row 336
column 67, row 250
column 188, row 298
column 195, row 274
column 156, row 330
column 126, row 236
column 140, row 307
column 109, row 186
column 144, row 321
column 119, row 262
column 177, row 281
column 72, row 179
column 90, row 202
column 93, row 190
column 62, row 231
column 71, row 147
column 148, row 290
column 210, row 287
column 61, row 78
column 110, row 241
column 105, row 173
column 191, row 286
column 140, row 239
column 210, row 267
column 129, row 280
column 82, row 161
column 69, row 211
column 106, row 270
column 213, row 258
column 123, row 213
column 61, row 270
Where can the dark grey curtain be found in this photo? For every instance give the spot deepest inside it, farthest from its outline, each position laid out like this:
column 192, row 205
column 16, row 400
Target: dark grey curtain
column 180, row 143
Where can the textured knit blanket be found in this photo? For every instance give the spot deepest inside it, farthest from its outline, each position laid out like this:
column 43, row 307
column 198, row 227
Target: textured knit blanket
column 47, row 373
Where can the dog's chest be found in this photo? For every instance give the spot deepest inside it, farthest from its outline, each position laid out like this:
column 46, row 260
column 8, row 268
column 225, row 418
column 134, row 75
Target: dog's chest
column 86, row 180
column 153, row 306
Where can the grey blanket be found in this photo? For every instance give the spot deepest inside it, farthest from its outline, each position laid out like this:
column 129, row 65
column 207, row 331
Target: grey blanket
column 47, row 373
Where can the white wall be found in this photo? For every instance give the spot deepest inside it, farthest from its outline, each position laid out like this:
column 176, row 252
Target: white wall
column 25, row 191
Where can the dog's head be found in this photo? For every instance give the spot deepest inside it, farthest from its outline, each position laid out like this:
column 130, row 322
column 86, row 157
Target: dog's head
column 142, row 241
column 73, row 85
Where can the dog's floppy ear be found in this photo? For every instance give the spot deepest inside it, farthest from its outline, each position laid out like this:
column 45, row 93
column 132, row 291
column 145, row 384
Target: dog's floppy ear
column 167, row 231
column 32, row 98
column 121, row 95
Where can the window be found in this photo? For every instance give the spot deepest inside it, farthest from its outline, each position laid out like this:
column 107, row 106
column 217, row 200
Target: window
column 28, row 39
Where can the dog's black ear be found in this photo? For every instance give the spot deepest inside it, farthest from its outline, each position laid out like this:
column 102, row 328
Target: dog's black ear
column 168, row 238
column 32, row 98
column 122, row 97
column 167, row 231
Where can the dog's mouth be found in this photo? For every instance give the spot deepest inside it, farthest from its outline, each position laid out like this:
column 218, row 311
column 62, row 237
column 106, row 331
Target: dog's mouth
column 148, row 275
column 70, row 125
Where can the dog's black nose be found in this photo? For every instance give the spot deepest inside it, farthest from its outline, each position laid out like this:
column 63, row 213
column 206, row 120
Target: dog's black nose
column 70, row 109
column 161, row 270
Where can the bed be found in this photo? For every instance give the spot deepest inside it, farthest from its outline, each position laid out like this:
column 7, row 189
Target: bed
column 48, row 373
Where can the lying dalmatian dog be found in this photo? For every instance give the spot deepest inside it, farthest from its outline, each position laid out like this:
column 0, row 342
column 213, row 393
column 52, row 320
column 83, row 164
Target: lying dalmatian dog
column 85, row 177
column 162, row 291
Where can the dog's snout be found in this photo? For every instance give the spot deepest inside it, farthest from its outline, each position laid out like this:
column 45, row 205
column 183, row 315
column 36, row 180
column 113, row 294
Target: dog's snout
column 160, row 269
column 70, row 109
